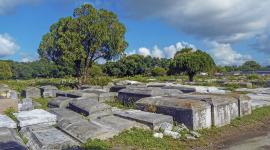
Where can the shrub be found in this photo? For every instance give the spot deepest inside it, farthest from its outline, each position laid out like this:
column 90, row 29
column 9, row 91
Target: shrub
column 101, row 81
column 96, row 71
column 158, row 71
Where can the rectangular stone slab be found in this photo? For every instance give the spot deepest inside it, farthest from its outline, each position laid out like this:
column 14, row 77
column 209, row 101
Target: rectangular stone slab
column 31, row 92
column 7, row 122
column 59, row 102
column 9, row 140
column 152, row 120
column 7, row 103
column 48, row 91
column 194, row 114
column 63, row 113
column 82, row 130
column 50, row 139
column 36, row 116
column 89, row 107
column 117, row 124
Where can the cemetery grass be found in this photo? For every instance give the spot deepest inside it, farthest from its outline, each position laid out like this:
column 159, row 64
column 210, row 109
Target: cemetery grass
column 215, row 138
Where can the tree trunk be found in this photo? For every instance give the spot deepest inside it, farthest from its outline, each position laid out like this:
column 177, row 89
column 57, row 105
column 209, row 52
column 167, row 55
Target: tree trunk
column 78, row 71
column 86, row 71
column 191, row 76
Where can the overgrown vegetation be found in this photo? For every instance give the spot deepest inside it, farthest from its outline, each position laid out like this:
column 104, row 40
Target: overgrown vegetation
column 43, row 103
column 9, row 112
column 116, row 103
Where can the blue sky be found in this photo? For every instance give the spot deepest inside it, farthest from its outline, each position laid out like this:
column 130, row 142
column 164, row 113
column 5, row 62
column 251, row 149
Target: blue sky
column 228, row 30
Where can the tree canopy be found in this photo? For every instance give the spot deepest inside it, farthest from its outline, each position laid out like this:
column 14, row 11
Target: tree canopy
column 192, row 62
column 5, row 70
column 250, row 66
column 82, row 39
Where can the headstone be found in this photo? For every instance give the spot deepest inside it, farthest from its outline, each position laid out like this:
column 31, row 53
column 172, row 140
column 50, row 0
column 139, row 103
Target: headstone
column 50, row 139
column 152, row 120
column 35, row 117
column 103, row 95
column 9, row 140
column 8, row 103
column 90, row 107
column 13, row 94
column 193, row 113
column 7, row 122
column 26, row 105
column 59, row 102
column 31, row 92
column 48, row 91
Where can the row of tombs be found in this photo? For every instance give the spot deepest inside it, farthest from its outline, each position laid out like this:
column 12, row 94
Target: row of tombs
column 75, row 116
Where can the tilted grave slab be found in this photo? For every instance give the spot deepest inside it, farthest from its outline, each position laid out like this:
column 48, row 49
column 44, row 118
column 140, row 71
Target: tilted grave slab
column 82, row 129
column 194, row 114
column 50, row 139
column 117, row 88
column 59, row 102
column 63, row 113
column 7, row 122
column 90, row 107
column 31, row 92
column 48, row 91
column 152, row 120
column 103, row 95
column 35, row 117
column 9, row 140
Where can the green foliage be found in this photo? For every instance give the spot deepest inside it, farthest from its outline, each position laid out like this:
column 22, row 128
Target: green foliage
column 43, row 102
column 96, row 71
column 9, row 112
column 102, row 81
column 253, row 77
column 5, row 70
column 158, row 71
column 96, row 145
column 192, row 62
column 80, row 40
column 250, row 66
column 116, row 103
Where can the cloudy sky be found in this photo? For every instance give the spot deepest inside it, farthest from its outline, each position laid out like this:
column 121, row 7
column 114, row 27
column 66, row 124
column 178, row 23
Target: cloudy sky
column 232, row 31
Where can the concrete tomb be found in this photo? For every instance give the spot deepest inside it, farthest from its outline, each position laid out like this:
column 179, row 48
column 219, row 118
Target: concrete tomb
column 48, row 91
column 102, row 95
column 259, row 100
column 9, row 140
column 152, row 120
column 8, row 103
column 90, row 107
column 31, row 92
column 130, row 95
column 35, row 117
column 50, row 139
column 59, row 102
column 117, row 88
column 63, row 113
column 193, row 113
column 26, row 105
column 7, row 122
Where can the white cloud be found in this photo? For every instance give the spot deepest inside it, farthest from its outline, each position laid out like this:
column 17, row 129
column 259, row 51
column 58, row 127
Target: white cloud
column 7, row 45
column 166, row 52
column 144, row 51
column 224, row 54
column 7, row 6
column 219, row 20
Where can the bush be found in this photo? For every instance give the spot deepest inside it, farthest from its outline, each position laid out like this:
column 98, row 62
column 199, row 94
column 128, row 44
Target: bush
column 101, row 81
column 158, row 71
column 253, row 77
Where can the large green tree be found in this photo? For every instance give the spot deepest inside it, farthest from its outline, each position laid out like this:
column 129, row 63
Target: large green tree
column 5, row 70
column 250, row 66
column 80, row 40
column 191, row 62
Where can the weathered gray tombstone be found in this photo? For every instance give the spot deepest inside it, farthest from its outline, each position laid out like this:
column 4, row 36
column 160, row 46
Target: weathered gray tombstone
column 59, row 102
column 194, row 114
column 224, row 108
column 90, row 107
column 7, row 122
column 35, row 117
column 259, row 100
column 63, row 113
column 4, row 91
column 31, row 92
column 48, row 91
column 9, row 140
column 102, row 95
column 26, row 105
column 152, row 120
column 181, row 88
column 50, row 139
column 13, row 94
column 82, row 130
